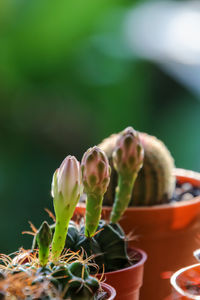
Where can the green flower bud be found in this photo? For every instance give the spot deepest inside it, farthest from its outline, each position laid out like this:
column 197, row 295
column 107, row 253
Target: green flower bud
column 44, row 237
column 128, row 154
column 127, row 160
column 95, row 171
column 96, row 176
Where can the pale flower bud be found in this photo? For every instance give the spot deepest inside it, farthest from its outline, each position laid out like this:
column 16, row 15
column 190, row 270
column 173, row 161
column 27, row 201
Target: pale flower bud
column 66, row 191
column 67, row 180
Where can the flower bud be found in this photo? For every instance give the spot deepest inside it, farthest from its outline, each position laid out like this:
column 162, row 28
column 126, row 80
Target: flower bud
column 67, row 180
column 44, row 237
column 127, row 160
column 128, row 154
column 95, row 171
column 96, row 177
column 66, row 191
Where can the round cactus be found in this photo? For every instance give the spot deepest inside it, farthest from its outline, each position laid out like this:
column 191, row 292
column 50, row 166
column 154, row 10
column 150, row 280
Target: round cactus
column 155, row 182
column 95, row 175
column 68, row 279
column 107, row 248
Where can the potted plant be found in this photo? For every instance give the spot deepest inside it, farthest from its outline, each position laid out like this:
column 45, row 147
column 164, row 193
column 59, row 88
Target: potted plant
column 38, row 275
column 162, row 221
column 104, row 241
column 54, row 272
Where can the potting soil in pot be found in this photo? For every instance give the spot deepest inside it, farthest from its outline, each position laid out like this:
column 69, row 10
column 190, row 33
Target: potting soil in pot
column 184, row 192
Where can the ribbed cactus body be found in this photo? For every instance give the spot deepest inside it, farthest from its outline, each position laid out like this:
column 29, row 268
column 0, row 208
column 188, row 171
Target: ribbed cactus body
column 76, row 281
column 108, row 246
column 62, row 281
column 155, row 183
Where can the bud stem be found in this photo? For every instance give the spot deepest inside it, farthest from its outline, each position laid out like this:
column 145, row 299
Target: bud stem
column 59, row 238
column 43, row 256
column 122, row 196
column 93, row 213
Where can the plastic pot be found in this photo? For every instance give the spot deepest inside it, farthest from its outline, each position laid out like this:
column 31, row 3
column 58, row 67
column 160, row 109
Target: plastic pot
column 127, row 282
column 182, row 279
column 110, row 291
column 167, row 233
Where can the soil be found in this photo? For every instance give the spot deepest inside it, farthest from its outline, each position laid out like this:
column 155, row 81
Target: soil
column 193, row 288
column 184, row 192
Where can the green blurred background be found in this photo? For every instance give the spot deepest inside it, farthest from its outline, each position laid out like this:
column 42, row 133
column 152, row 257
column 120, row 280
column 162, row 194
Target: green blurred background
column 67, row 80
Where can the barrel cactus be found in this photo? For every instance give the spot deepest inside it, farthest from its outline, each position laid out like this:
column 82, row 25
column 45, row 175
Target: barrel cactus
column 155, row 182
column 27, row 279
column 108, row 247
column 34, row 274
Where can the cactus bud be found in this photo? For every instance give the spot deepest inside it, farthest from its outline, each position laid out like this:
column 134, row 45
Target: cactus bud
column 127, row 160
column 44, row 237
column 66, row 190
column 96, row 175
column 128, row 154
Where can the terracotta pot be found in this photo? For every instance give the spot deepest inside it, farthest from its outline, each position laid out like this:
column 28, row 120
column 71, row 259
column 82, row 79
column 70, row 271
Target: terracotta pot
column 167, row 233
column 110, row 291
column 127, row 282
column 180, row 281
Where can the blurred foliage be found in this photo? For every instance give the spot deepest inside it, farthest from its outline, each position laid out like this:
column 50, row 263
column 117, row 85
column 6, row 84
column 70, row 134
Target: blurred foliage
column 67, row 80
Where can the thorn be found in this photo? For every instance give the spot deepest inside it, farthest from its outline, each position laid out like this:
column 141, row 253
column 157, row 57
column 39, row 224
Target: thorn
column 51, row 215
column 32, row 227
column 29, row 232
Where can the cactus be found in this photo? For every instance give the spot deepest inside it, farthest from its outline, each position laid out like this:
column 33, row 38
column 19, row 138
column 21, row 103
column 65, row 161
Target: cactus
column 66, row 190
column 76, row 280
column 155, row 182
column 70, row 279
column 96, row 176
column 108, row 246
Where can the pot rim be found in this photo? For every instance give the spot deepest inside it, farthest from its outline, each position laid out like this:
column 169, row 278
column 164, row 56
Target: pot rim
column 177, row 287
column 109, row 288
column 138, row 264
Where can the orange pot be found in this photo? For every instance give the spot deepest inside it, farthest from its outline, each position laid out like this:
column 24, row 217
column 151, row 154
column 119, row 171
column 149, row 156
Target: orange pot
column 181, row 279
column 110, row 291
column 167, row 233
column 127, row 282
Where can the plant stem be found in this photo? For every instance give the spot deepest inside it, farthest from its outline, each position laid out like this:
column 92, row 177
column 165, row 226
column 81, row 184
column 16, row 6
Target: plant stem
column 93, row 213
column 122, row 196
column 59, row 238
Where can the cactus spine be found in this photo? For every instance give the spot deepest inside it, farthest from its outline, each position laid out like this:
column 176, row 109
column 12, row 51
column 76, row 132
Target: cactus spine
column 155, row 182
